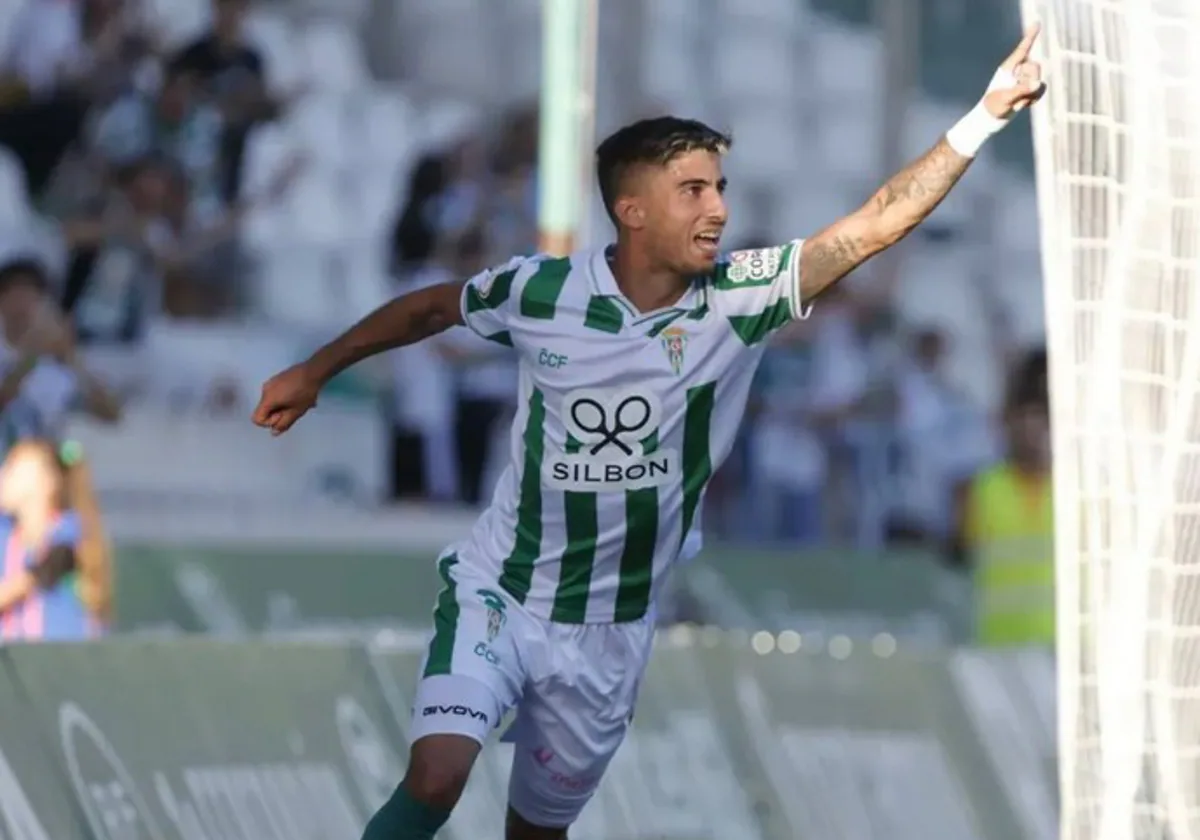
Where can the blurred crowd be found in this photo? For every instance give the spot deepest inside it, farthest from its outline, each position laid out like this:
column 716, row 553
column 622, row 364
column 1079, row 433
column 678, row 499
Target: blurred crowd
column 132, row 157
column 131, row 154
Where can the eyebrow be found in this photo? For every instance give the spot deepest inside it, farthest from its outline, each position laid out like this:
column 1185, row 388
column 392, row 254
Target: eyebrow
column 722, row 183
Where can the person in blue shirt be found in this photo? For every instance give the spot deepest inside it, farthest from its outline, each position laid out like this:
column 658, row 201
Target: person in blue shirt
column 44, row 578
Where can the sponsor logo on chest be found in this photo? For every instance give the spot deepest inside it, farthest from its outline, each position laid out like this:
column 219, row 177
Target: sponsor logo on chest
column 612, row 443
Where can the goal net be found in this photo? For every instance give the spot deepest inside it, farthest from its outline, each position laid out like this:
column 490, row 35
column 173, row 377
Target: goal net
column 1117, row 143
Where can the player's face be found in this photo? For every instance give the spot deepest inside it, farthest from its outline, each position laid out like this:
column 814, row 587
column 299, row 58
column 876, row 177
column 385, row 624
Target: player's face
column 684, row 211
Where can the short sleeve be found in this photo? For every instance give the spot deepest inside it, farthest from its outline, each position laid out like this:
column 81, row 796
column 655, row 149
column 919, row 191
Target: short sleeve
column 488, row 299
column 759, row 290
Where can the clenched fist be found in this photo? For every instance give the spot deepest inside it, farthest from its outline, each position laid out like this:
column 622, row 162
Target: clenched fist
column 286, row 397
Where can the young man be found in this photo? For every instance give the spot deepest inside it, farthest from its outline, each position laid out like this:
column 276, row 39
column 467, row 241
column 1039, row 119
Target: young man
column 635, row 363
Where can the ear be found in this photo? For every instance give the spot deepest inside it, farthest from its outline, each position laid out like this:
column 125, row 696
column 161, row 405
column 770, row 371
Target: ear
column 630, row 213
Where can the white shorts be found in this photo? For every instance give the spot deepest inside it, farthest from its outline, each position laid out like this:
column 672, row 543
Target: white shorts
column 574, row 686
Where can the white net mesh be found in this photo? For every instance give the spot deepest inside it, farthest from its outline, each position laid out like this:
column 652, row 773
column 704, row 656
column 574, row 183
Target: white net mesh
column 1118, row 159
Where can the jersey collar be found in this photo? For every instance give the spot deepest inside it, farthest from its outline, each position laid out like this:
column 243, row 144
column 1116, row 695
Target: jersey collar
column 693, row 304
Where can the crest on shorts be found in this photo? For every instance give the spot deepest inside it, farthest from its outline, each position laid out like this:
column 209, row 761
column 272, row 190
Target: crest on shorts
column 674, row 340
column 495, row 613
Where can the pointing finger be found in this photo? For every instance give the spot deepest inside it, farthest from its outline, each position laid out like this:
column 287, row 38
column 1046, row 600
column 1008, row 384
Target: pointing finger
column 1024, row 48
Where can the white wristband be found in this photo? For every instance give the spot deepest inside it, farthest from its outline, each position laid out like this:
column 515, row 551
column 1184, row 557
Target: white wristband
column 970, row 133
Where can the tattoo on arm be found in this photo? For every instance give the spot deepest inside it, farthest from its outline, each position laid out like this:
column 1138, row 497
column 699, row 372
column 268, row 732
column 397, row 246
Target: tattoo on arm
column 913, row 192
column 896, row 208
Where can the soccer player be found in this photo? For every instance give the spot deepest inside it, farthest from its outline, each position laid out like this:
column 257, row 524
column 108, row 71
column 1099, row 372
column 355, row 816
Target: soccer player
column 635, row 362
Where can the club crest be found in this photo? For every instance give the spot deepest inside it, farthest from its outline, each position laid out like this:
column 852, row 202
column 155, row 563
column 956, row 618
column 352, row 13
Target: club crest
column 674, row 341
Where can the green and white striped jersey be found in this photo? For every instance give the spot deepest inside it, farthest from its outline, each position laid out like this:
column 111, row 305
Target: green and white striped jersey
column 623, row 417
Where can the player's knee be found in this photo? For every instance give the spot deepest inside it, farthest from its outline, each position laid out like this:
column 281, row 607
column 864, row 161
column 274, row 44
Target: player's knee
column 517, row 827
column 438, row 769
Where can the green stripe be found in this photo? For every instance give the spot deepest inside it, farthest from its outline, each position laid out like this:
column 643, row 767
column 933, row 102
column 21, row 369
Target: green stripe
column 578, row 559
column 497, row 293
column 603, row 315
column 641, row 538
column 539, row 298
column 503, row 337
column 697, row 460
column 752, row 329
column 517, row 575
column 666, row 322
column 445, row 622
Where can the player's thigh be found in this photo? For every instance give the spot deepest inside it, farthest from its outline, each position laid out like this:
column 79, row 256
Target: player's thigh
column 569, row 728
column 472, row 672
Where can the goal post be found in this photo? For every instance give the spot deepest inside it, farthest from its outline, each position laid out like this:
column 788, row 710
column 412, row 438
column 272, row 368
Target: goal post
column 1117, row 148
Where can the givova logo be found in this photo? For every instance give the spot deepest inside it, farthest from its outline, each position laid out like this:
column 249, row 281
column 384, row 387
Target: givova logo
column 609, row 445
column 114, row 808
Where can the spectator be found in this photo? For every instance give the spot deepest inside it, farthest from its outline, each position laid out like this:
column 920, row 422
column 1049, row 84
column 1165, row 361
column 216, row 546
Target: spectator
column 116, row 255
column 943, row 439
column 512, row 210
column 423, row 457
column 1007, row 533
column 415, row 233
column 55, row 581
column 63, row 57
column 231, row 72
column 133, row 255
column 447, row 195
column 485, row 380
column 175, row 123
column 787, row 455
column 43, row 376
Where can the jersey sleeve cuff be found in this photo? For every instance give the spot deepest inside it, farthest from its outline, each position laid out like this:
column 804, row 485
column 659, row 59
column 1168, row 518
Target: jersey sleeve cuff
column 800, row 311
column 464, row 312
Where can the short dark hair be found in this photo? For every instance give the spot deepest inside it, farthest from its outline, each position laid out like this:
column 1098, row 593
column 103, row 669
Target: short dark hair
column 23, row 271
column 656, row 141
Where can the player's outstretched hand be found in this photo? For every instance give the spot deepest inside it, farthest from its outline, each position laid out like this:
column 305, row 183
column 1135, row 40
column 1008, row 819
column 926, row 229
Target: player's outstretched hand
column 1018, row 83
column 286, row 397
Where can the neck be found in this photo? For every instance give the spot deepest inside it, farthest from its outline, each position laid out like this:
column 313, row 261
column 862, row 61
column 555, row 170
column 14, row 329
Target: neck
column 645, row 285
column 1029, row 466
column 34, row 524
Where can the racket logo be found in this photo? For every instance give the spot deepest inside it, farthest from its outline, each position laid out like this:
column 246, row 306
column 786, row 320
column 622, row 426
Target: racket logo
column 629, row 417
column 611, row 443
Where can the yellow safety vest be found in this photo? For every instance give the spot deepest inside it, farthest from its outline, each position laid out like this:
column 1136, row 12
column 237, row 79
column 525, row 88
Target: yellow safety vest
column 1011, row 528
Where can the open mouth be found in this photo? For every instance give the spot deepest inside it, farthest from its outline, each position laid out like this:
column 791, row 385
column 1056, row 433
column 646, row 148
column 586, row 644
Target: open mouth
column 708, row 242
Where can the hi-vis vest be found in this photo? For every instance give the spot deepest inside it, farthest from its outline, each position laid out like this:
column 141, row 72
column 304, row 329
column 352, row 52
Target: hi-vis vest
column 1011, row 528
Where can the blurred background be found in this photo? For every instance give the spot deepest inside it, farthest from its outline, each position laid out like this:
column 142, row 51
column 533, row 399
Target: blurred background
column 196, row 193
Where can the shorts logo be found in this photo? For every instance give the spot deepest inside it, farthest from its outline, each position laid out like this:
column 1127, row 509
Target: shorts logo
column 611, row 443
column 674, row 340
column 455, row 711
column 757, row 265
column 496, row 617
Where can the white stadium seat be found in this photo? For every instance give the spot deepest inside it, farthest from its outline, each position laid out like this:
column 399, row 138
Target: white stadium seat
column 318, row 210
column 179, row 21
column 334, row 50
column 279, row 42
column 295, row 287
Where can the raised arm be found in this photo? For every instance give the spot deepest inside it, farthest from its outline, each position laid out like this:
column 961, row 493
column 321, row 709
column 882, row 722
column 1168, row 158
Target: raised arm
column 916, row 190
column 483, row 303
column 406, row 320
